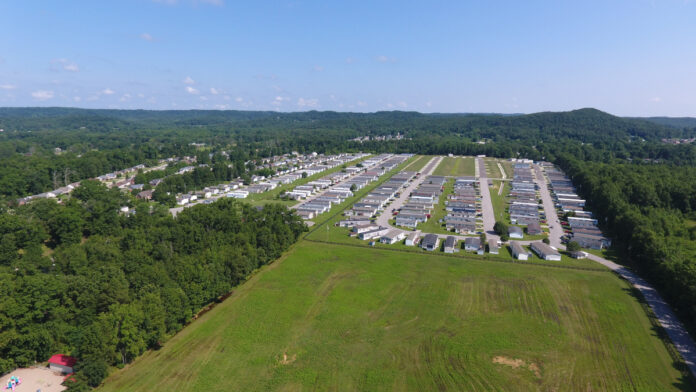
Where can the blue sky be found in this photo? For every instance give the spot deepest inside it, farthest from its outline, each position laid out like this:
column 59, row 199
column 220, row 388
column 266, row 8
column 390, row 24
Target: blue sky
column 627, row 57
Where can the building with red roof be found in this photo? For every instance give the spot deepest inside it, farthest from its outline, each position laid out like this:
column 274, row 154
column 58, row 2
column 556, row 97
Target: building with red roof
column 62, row 363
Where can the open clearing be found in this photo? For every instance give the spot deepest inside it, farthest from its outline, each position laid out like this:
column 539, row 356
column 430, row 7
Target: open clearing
column 455, row 167
column 337, row 317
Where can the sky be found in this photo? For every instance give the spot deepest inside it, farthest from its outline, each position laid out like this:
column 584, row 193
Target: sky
column 626, row 57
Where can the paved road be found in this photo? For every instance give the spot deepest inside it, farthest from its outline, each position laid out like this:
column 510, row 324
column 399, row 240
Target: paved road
column 555, row 228
column 669, row 321
column 486, row 202
column 383, row 218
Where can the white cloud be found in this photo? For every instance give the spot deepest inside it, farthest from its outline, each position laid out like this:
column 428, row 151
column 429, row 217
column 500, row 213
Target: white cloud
column 42, row 95
column 191, row 90
column 125, row 97
column 108, row 91
column 307, row 103
column 147, row 37
column 214, row 91
column 318, row 68
column 279, row 100
column 7, row 86
column 221, row 107
column 203, row 98
column 656, row 99
column 362, row 103
column 77, row 99
column 141, row 95
column 64, row 64
column 350, row 60
column 402, row 104
column 217, row 3
column 239, row 99
column 188, row 80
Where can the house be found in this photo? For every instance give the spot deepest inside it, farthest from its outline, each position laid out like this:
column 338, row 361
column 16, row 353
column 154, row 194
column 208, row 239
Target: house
column 393, row 236
column 533, row 228
column 518, row 251
column 545, row 252
column 62, row 363
column 493, row 247
column 472, row 244
column 450, row 244
column 376, row 233
column 515, row 232
column 412, row 239
column 305, row 214
column 145, row 195
column 430, row 242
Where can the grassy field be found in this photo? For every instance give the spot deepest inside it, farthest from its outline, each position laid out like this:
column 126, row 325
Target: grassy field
column 419, row 163
column 498, row 200
column 334, row 317
column 455, row 167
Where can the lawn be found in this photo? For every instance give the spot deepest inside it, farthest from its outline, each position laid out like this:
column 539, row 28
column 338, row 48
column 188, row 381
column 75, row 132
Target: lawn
column 455, row 167
column 418, row 164
column 335, row 317
column 499, row 200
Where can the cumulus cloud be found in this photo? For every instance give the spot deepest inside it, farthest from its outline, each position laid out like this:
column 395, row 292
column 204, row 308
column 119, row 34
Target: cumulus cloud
column 222, row 106
column 147, row 37
column 65, row 65
column 307, row 103
column 214, row 91
column 125, row 97
column 188, row 80
column 42, row 95
column 191, row 90
column 7, row 87
column 108, row 91
column 277, row 101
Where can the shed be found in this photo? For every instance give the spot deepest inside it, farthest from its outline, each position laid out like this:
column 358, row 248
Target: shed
column 62, row 363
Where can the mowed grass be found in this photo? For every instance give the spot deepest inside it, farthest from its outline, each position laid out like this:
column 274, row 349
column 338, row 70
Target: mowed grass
column 334, row 317
column 419, row 163
column 458, row 166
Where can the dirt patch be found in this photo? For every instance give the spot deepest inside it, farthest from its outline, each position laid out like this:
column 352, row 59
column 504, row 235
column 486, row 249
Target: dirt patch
column 288, row 359
column 517, row 363
column 34, row 379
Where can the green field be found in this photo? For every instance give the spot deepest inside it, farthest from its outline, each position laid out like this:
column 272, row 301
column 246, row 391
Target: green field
column 335, row 317
column 419, row 163
column 455, row 167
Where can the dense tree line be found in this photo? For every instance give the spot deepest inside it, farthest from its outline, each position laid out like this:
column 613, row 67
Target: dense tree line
column 83, row 279
column 650, row 212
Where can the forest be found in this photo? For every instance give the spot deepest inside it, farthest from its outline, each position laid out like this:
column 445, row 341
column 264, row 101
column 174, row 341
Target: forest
column 84, row 279
column 650, row 213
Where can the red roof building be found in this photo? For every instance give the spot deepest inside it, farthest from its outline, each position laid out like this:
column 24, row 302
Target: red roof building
column 62, row 363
